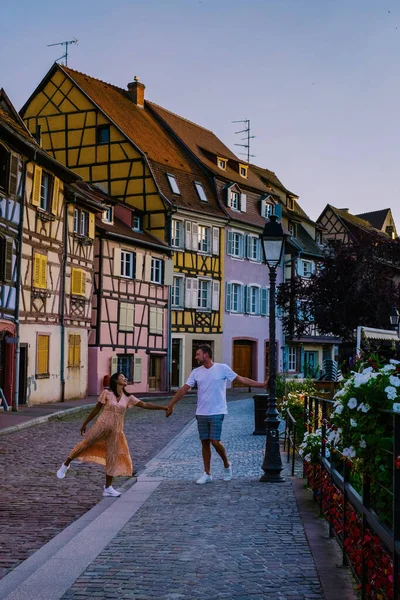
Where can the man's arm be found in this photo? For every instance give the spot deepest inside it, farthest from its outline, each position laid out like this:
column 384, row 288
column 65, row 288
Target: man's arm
column 245, row 381
column 178, row 396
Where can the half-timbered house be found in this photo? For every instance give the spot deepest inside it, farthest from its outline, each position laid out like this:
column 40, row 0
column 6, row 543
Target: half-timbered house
column 244, row 199
column 12, row 129
column 302, row 355
column 111, row 137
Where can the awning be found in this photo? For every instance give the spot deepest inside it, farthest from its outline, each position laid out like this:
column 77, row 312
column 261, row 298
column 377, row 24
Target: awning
column 381, row 335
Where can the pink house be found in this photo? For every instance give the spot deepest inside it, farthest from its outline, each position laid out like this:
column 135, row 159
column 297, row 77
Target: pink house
column 130, row 316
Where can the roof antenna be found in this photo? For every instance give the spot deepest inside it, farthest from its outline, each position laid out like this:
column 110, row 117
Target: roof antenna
column 66, row 44
column 246, row 139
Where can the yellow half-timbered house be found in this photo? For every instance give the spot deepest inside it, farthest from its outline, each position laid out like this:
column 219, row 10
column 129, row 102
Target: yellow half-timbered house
column 110, row 137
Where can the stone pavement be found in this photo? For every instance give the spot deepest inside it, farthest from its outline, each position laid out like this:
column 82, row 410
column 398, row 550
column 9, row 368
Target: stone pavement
column 170, row 539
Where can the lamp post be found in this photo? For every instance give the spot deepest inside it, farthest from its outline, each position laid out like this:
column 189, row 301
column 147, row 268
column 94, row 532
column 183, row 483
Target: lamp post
column 394, row 317
column 272, row 240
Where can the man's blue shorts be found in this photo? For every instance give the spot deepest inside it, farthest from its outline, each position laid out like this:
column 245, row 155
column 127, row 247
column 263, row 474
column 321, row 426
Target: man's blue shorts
column 210, row 426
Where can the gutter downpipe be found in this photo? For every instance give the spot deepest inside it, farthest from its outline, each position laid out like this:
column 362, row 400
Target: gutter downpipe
column 169, row 330
column 18, row 286
column 62, row 297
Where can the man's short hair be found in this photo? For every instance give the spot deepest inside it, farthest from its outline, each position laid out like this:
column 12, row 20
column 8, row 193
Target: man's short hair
column 206, row 349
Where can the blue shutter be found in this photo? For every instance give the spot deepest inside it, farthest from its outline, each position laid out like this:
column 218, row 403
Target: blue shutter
column 242, row 250
column 300, row 269
column 278, row 210
column 248, row 299
column 248, row 246
column 230, row 243
column 259, row 250
column 302, row 359
column 243, row 294
column 264, row 302
column 228, row 297
column 285, row 359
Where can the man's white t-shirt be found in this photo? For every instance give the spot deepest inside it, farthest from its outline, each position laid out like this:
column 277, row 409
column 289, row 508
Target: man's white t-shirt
column 211, row 386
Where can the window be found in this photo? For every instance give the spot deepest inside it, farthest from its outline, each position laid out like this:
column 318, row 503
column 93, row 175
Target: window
column 236, row 298
column 126, row 316
column 290, row 203
column 234, row 200
column 318, row 237
column 42, row 355
column 136, row 223
column 292, row 358
column 204, row 294
column 177, row 234
column 39, row 271
column 307, row 268
column 124, row 362
column 9, row 171
column 253, row 248
column 81, row 222
column 6, row 259
column 235, row 244
column 78, row 282
column 74, row 350
column 46, row 191
column 292, row 229
column 204, row 239
column 200, row 191
column 127, row 264
column 156, row 270
column 253, row 300
column 102, row 134
column 156, row 320
column 108, row 215
column 178, row 292
column 173, row 184
column 222, row 162
column 243, row 170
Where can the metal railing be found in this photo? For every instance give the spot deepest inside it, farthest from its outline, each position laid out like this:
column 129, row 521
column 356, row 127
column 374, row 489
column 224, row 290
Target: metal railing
column 332, row 477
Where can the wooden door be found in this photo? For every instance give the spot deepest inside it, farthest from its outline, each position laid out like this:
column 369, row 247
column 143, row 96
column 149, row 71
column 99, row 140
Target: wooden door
column 176, row 363
column 243, row 358
column 155, row 373
column 23, row 374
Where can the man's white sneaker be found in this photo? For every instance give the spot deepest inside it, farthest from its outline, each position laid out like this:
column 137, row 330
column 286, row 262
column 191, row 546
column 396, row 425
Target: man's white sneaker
column 61, row 471
column 205, row 478
column 111, row 492
column 228, row 473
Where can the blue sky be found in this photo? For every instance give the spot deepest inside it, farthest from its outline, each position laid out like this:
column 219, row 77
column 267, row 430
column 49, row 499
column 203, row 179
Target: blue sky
column 319, row 79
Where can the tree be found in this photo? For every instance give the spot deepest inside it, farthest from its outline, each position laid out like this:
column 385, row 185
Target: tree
column 356, row 284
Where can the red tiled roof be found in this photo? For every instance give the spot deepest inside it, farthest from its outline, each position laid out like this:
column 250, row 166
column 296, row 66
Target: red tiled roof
column 144, row 130
column 206, row 147
column 270, row 177
column 121, row 228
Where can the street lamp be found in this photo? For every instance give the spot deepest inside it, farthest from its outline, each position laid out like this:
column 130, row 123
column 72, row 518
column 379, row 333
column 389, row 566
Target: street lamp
column 394, row 317
column 272, row 240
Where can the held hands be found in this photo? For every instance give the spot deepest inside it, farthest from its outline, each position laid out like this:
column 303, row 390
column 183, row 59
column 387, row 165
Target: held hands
column 83, row 430
column 169, row 411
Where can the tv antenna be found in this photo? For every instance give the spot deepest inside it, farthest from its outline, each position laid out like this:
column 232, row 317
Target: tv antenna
column 245, row 139
column 66, row 44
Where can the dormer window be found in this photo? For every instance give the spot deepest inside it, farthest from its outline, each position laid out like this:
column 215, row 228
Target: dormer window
column 173, row 184
column 292, row 229
column 318, row 237
column 222, row 163
column 136, row 223
column 200, row 191
column 234, row 200
column 108, row 215
column 243, row 171
column 290, row 203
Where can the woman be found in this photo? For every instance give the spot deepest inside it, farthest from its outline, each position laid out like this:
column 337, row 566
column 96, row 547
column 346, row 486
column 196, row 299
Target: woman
column 105, row 443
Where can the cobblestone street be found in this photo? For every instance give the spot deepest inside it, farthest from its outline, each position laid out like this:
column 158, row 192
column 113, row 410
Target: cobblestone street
column 34, row 505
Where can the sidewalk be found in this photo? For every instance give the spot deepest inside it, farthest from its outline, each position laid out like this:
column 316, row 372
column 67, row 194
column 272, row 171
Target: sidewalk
column 170, row 539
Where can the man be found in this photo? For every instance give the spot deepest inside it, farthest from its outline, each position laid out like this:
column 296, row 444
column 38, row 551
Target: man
column 211, row 381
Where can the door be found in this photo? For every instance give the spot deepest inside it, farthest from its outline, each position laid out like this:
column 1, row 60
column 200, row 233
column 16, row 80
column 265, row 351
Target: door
column 155, row 373
column 23, row 374
column 243, row 358
column 310, row 364
column 176, row 363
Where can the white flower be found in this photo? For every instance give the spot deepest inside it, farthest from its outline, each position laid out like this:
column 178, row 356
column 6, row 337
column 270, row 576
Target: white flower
column 349, row 452
column 391, row 392
column 364, row 407
column 396, row 407
column 307, row 457
column 367, row 370
column 363, row 444
column 394, row 361
column 353, row 423
column 339, row 393
column 395, row 381
column 352, row 403
column 387, row 368
column 338, row 410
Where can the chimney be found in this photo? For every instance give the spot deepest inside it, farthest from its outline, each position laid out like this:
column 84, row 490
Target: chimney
column 136, row 92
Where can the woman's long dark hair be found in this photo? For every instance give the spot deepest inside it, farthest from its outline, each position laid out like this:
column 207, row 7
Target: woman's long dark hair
column 113, row 383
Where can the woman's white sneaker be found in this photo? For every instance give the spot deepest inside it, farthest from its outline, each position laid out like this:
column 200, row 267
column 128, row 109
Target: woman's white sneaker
column 205, row 478
column 228, row 473
column 61, row 471
column 109, row 491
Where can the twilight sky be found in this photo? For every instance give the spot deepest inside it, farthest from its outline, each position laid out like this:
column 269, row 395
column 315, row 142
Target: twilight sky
column 319, row 79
